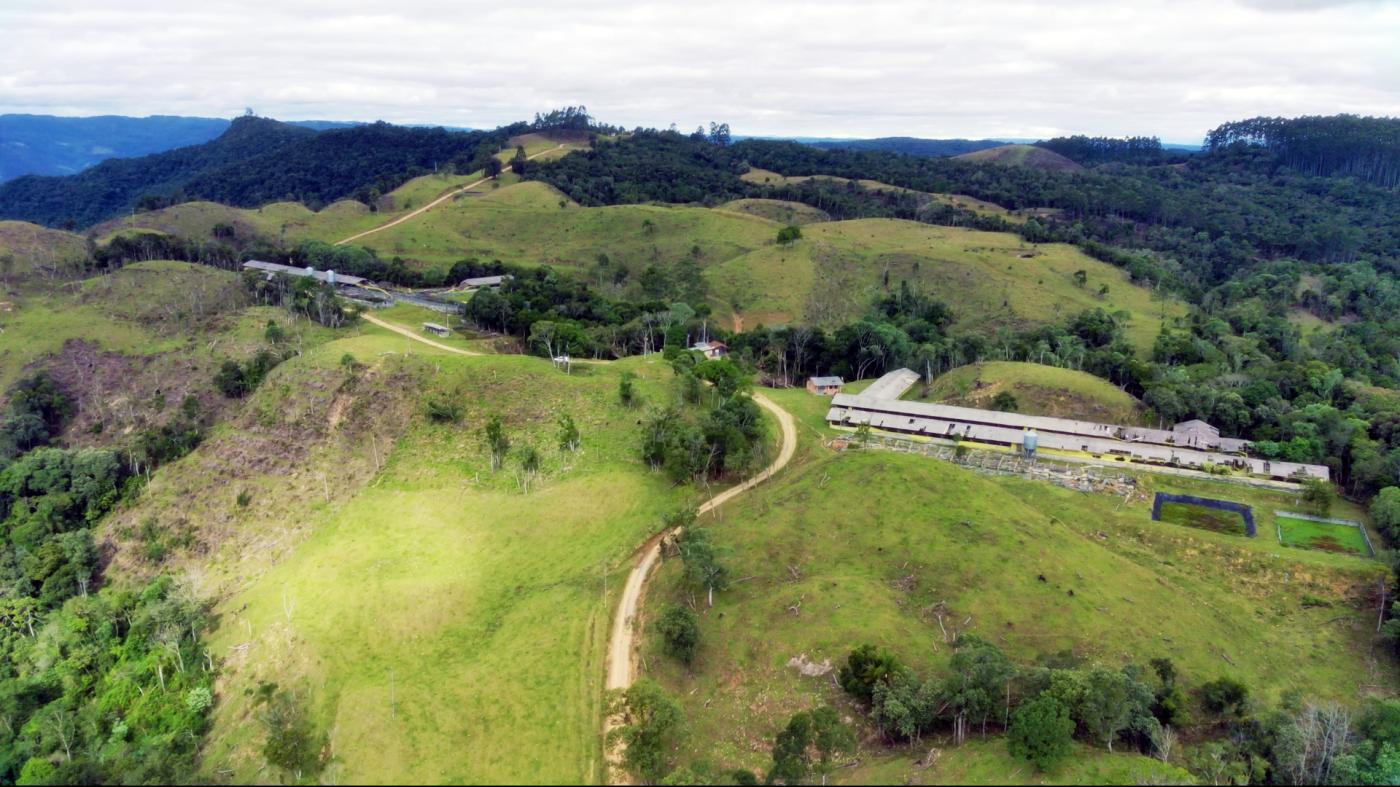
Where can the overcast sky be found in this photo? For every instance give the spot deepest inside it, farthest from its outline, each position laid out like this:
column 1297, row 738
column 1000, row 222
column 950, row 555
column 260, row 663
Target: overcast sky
column 853, row 68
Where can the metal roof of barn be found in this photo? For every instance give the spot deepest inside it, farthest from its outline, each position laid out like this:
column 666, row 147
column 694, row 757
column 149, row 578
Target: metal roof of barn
column 325, row 276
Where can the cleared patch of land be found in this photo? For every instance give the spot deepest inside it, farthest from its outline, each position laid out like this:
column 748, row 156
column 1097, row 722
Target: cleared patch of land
column 1038, row 390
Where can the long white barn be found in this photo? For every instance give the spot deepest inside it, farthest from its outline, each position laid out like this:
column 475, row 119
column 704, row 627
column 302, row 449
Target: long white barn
column 1190, row 444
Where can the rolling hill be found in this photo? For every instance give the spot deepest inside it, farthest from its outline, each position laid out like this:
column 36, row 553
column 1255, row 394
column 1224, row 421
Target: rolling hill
column 1038, row 389
column 911, row 146
column 1023, row 156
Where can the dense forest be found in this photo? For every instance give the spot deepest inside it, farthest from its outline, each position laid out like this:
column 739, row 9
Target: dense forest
column 1100, row 150
column 1344, row 145
column 254, row 162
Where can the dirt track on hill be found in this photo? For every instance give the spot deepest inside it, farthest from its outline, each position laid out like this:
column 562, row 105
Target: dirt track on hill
column 449, row 195
column 402, row 331
column 624, row 639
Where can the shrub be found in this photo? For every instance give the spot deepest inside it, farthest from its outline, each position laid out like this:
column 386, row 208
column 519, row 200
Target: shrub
column 444, row 411
column 1225, row 695
column 1040, row 732
column 680, row 632
column 864, row 668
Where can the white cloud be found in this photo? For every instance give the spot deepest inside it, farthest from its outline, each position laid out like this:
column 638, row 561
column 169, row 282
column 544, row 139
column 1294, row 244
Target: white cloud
column 992, row 68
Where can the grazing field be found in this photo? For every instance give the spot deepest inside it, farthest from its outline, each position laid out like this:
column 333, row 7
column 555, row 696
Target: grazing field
column 1116, row 588
column 1211, row 519
column 144, row 309
column 32, row 249
column 834, row 272
column 1038, row 389
column 446, row 625
column 781, row 211
column 524, row 224
column 1308, row 533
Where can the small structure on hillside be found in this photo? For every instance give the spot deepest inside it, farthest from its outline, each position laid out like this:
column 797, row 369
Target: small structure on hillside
column 437, row 330
column 711, row 349
column 481, row 281
column 825, row 386
column 563, row 362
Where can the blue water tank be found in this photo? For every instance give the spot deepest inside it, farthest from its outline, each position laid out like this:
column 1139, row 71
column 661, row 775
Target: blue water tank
column 1028, row 442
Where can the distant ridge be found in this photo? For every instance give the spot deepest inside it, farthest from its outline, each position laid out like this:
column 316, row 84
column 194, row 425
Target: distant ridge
column 1023, row 156
column 54, row 145
column 255, row 161
column 912, row 146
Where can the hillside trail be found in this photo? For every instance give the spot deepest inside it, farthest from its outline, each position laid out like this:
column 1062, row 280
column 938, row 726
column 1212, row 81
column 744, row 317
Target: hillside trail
column 402, row 331
column 449, row 195
column 624, row 639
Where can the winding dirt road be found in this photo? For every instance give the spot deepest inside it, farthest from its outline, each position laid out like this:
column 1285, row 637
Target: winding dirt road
column 449, row 195
column 624, row 638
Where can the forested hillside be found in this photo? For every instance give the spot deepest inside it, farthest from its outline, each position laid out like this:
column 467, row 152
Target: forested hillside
column 256, row 161
column 1344, row 145
column 911, row 146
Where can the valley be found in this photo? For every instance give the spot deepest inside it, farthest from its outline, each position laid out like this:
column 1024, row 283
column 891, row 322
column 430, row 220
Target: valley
column 590, row 521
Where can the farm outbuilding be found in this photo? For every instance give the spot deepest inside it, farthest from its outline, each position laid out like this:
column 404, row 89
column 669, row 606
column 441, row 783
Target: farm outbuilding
column 825, row 386
column 711, row 349
column 437, row 330
column 481, row 281
column 329, row 277
column 1190, row 444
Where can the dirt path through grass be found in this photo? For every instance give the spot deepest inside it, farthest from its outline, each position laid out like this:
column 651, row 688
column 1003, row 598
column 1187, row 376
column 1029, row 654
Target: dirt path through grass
column 449, row 195
column 402, row 331
column 623, row 641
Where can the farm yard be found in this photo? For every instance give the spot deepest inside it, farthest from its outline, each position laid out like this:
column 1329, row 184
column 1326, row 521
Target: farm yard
column 1328, row 535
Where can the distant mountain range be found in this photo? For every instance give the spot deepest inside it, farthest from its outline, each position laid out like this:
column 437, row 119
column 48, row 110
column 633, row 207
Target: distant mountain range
column 253, row 162
column 936, row 148
column 51, row 145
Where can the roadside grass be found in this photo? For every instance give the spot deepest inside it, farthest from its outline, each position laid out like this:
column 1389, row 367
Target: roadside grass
column 1326, row 536
column 448, row 627
column 1039, row 390
column 987, row 761
column 1229, row 522
column 862, row 568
